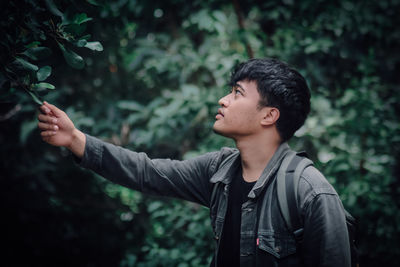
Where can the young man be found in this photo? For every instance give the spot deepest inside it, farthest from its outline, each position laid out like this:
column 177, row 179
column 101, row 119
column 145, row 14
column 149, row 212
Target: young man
column 269, row 101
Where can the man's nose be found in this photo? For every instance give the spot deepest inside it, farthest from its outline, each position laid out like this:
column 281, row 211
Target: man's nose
column 224, row 101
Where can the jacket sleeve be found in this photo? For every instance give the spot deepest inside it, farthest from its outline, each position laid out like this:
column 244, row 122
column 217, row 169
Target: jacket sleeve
column 326, row 241
column 187, row 179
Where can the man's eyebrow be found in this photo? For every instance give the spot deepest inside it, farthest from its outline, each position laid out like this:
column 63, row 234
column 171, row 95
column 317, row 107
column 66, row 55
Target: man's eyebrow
column 238, row 85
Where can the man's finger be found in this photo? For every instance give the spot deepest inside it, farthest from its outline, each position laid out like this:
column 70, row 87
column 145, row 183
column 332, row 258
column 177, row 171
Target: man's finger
column 56, row 111
column 47, row 126
column 46, row 118
column 47, row 133
column 44, row 109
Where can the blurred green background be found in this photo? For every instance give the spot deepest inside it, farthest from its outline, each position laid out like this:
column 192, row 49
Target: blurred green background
column 148, row 77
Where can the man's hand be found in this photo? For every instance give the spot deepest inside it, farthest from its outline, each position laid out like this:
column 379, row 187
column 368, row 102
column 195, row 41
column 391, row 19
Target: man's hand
column 58, row 130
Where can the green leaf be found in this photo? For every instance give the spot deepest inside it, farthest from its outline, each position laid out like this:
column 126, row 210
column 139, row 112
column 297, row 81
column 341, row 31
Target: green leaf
column 81, row 18
column 73, row 59
column 81, row 43
column 75, row 29
column 96, row 46
column 93, row 2
column 130, row 105
column 35, row 98
column 85, row 37
column 43, row 73
column 33, row 44
column 53, row 8
column 23, row 64
column 37, row 53
column 44, row 85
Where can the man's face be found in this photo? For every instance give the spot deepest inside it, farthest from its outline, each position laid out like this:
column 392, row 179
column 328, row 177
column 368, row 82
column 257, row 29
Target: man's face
column 239, row 115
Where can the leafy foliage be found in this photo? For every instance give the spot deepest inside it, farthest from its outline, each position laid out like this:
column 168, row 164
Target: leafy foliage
column 30, row 36
column 155, row 89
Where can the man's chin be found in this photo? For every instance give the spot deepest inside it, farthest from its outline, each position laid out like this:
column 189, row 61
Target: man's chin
column 219, row 131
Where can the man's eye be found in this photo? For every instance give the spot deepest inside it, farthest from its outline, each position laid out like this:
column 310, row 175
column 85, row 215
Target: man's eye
column 236, row 91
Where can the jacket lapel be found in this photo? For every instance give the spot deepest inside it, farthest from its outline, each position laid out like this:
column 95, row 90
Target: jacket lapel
column 270, row 170
column 226, row 169
column 228, row 166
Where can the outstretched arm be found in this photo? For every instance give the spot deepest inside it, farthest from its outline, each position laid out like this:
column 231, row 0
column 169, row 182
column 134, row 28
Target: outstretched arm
column 187, row 179
column 58, row 130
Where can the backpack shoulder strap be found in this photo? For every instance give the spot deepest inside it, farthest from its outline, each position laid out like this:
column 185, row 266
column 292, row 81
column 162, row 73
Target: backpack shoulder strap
column 288, row 178
column 281, row 189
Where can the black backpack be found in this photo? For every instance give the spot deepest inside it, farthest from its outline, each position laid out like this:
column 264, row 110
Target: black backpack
column 288, row 178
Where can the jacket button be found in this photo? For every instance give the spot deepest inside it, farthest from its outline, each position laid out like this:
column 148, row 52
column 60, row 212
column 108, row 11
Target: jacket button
column 216, row 237
column 278, row 249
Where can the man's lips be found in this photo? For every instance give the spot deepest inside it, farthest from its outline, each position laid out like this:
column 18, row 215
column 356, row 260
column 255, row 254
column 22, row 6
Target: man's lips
column 220, row 114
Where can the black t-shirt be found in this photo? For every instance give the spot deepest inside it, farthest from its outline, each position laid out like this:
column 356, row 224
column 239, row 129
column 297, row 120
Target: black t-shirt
column 229, row 253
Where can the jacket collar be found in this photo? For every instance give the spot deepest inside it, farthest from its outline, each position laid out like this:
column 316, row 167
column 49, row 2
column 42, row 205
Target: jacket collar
column 227, row 168
column 229, row 165
column 270, row 170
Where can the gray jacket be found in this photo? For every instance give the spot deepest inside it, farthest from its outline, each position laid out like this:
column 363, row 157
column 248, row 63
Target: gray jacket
column 206, row 179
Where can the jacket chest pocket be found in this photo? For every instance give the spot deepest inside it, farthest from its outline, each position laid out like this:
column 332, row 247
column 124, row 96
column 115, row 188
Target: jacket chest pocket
column 217, row 228
column 218, row 209
column 278, row 245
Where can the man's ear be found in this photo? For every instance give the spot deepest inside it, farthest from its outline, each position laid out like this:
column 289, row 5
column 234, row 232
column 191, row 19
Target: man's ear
column 271, row 115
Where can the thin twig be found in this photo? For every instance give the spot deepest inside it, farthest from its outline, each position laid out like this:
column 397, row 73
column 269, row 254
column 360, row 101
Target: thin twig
column 240, row 18
column 10, row 113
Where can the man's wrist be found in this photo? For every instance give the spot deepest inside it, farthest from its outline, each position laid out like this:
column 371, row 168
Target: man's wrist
column 78, row 142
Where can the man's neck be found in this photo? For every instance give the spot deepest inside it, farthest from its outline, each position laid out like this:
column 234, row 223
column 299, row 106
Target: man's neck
column 255, row 153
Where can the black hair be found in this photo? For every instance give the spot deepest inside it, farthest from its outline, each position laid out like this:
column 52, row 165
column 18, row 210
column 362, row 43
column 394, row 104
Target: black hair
column 279, row 86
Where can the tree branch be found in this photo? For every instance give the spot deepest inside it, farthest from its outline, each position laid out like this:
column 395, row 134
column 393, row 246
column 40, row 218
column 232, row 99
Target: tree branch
column 10, row 113
column 240, row 18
